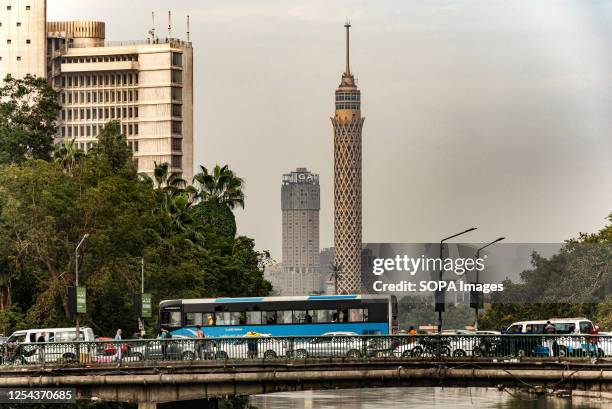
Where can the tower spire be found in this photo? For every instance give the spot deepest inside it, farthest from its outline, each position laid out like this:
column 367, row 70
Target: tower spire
column 347, row 69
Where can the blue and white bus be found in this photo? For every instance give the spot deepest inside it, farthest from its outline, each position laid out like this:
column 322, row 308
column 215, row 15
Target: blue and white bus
column 281, row 316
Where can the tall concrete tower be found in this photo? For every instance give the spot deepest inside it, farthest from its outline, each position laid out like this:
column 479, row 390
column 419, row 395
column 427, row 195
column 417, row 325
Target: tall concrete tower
column 347, row 123
column 300, row 203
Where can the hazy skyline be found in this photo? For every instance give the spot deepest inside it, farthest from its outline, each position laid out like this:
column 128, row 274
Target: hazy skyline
column 482, row 113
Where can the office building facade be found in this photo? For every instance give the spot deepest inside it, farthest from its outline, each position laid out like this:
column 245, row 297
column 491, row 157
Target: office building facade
column 146, row 85
column 300, row 204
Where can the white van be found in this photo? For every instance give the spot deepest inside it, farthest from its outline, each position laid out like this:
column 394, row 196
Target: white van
column 30, row 352
column 558, row 346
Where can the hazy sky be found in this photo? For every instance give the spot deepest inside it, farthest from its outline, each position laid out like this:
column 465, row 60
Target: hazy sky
column 496, row 114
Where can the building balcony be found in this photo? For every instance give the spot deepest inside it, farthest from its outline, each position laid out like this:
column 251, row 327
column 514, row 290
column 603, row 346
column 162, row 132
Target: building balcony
column 101, row 66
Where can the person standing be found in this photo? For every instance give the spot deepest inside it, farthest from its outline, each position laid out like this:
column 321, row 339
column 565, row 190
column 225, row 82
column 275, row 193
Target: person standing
column 593, row 341
column 199, row 344
column 118, row 345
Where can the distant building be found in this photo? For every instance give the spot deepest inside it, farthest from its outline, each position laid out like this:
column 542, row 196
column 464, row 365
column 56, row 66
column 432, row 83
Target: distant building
column 274, row 274
column 300, row 204
column 147, row 84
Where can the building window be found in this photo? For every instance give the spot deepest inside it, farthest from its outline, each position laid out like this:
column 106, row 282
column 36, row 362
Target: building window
column 28, row 8
column 135, row 146
column 177, row 127
column 28, row 41
column 177, row 144
column 8, row 41
column 177, row 161
column 19, row 24
column 177, row 110
column 177, row 94
column 177, row 59
column 135, row 129
column 177, row 77
column 8, row 8
column 18, row 58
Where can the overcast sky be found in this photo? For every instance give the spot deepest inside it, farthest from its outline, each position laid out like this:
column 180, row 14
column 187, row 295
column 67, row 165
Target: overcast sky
column 496, row 114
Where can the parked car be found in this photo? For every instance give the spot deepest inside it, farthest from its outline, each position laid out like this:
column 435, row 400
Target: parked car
column 177, row 348
column 258, row 346
column 330, row 344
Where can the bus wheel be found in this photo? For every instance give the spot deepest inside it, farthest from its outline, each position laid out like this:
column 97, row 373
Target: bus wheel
column 459, row 353
column 562, row 350
column 188, row 356
column 270, row 355
column 353, row 353
column 407, row 353
column 222, row 355
column 301, row 354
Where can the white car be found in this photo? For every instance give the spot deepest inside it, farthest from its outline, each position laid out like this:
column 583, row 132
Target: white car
column 262, row 346
column 330, row 344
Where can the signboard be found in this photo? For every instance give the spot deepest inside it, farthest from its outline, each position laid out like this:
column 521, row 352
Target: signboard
column 81, row 300
column 146, row 305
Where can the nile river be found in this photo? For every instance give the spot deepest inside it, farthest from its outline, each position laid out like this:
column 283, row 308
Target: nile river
column 438, row 398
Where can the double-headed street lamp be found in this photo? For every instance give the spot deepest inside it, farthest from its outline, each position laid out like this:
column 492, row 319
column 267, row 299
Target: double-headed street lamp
column 440, row 299
column 477, row 304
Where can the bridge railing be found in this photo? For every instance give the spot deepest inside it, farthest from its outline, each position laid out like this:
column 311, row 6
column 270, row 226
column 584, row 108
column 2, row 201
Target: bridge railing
column 299, row 348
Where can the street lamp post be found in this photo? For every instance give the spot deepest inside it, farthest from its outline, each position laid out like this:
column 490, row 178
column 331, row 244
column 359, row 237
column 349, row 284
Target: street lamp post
column 478, row 280
column 440, row 296
column 76, row 278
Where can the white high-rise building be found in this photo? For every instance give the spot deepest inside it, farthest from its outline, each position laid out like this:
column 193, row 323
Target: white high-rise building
column 23, row 38
column 147, row 85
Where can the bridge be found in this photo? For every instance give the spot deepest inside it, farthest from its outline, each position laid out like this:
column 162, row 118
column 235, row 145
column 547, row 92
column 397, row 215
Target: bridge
column 177, row 372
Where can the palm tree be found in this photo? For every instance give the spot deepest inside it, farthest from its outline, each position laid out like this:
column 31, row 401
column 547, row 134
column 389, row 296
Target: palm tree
column 220, row 187
column 67, row 155
column 171, row 181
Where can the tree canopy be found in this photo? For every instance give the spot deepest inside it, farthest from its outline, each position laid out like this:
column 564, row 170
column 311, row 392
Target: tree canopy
column 46, row 207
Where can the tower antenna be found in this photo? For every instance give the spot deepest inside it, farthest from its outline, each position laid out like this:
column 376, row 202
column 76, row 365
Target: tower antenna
column 169, row 23
column 152, row 31
column 188, row 27
column 347, row 70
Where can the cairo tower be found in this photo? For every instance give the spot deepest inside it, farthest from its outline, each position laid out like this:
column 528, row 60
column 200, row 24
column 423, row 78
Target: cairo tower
column 348, row 124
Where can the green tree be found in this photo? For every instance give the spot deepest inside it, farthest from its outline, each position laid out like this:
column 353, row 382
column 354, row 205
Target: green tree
column 67, row 155
column 28, row 119
column 577, row 281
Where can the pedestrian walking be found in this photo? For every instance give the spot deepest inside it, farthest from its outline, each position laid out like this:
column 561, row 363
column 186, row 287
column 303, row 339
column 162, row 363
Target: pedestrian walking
column 118, row 345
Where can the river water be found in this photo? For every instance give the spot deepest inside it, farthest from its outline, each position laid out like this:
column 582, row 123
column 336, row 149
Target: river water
column 437, row 398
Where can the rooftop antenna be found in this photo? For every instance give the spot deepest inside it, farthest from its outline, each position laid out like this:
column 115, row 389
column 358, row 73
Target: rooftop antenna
column 152, row 31
column 347, row 70
column 169, row 23
column 187, row 27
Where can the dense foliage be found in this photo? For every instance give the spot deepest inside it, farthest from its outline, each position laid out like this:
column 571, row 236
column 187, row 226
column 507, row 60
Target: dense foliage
column 28, row 113
column 575, row 282
column 46, row 207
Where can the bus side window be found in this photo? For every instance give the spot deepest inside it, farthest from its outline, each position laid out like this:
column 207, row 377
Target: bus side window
column 270, row 317
column 585, row 327
column 358, row 315
column 344, row 315
column 208, row 319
